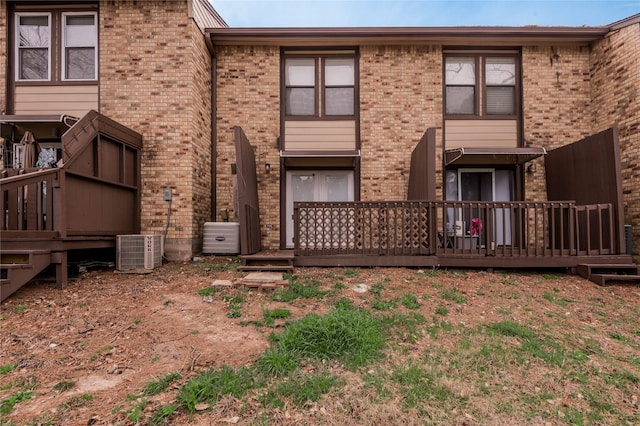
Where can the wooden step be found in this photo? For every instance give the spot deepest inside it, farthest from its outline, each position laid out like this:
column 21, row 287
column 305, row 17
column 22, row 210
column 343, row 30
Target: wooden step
column 601, row 273
column 280, row 261
column 17, row 268
column 601, row 279
column 267, row 268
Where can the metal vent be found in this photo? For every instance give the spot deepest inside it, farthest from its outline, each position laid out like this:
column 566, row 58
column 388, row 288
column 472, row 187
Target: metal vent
column 138, row 252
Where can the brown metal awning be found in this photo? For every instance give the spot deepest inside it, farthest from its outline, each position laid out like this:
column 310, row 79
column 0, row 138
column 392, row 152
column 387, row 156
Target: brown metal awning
column 491, row 156
column 43, row 126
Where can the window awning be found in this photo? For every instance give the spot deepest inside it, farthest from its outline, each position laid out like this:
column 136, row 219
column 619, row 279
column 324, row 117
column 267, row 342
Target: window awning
column 491, row 156
column 44, row 126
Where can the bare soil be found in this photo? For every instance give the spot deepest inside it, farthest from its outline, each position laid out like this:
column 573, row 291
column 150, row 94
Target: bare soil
column 111, row 333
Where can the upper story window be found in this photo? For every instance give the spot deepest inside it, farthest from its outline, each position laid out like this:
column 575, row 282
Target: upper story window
column 33, row 35
column 481, row 85
column 56, row 46
column 319, row 86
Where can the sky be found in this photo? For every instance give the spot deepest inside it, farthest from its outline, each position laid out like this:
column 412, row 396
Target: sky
column 429, row 13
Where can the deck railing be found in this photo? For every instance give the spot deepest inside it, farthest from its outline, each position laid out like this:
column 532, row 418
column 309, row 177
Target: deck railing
column 30, row 202
column 524, row 229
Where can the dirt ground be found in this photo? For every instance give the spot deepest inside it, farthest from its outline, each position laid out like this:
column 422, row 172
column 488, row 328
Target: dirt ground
column 110, row 333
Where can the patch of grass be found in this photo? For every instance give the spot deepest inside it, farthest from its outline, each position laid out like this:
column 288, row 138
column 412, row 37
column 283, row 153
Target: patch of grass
column 441, row 310
column 270, row 316
column 435, row 328
column 101, row 351
column 560, row 301
column 6, row 368
column 302, row 389
column 7, row 404
column 137, row 409
column 207, row 291
column 550, row 277
column 63, row 386
column 277, row 362
column 234, row 314
column 511, row 329
column 156, row 387
column 210, row 385
column 453, row 295
column 162, row 415
column 409, row 301
column 21, row 307
column 382, row 305
column 295, row 290
column 167, row 302
column 350, row 272
column 405, row 327
column 353, row 336
column 376, row 289
column 507, row 280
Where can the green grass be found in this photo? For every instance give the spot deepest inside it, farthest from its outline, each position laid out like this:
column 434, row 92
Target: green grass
column 353, row 336
column 453, row 295
column 156, row 387
column 6, row 368
column 304, row 388
column 409, row 301
column 7, row 404
column 210, row 385
column 270, row 316
column 295, row 290
column 64, row 386
column 207, row 291
column 382, row 305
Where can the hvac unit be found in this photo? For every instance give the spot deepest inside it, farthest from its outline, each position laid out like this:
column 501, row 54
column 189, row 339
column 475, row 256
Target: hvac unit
column 221, row 238
column 138, row 252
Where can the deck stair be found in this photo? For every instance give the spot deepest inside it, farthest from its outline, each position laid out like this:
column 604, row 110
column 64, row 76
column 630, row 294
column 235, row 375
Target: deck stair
column 18, row 267
column 603, row 273
column 278, row 261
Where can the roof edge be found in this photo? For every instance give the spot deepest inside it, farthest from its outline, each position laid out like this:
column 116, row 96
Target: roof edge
column 347, row 35
column 634, row 19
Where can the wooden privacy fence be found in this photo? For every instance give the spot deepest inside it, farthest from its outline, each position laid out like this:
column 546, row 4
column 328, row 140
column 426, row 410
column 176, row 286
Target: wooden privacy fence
column 523, row 229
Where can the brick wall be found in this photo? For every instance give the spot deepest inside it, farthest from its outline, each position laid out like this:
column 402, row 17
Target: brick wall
column 248, row 93
column 154, row 78
column 400, row 97
column 556, row 103
column 616, row 101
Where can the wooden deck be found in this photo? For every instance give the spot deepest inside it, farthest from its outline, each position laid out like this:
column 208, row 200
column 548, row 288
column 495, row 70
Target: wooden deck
column 83, row 204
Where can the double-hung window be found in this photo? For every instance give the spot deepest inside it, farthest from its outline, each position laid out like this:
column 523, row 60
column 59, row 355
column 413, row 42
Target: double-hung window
column 33, row 46
column 54, row 46
column 319, row 86
column 79, row 41
column 481, row 85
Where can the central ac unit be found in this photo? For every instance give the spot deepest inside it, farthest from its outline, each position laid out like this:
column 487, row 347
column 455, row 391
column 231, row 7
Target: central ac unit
column 138, row 252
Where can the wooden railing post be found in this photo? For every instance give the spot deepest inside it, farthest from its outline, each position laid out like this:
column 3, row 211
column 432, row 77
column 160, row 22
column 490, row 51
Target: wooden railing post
column 59, row 204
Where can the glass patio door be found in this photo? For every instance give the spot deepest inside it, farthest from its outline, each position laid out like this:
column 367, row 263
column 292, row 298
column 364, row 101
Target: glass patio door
column 316, row 185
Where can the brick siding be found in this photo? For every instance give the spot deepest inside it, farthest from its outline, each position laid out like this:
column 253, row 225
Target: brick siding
column 556, row 103
column 615, row 78
column 155, row 78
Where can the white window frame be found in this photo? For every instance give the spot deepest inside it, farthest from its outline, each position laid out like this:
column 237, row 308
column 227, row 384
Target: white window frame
column 63, row 49
column 17, row 44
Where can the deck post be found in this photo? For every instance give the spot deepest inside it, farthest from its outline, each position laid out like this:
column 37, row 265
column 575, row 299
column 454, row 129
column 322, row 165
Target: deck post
column 59, row 258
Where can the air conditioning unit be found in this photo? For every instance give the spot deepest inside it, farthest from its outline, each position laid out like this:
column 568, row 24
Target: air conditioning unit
column 221, row 238
column 138, row 252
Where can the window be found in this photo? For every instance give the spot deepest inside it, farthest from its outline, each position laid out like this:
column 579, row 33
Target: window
column 79, row 37
column 56, row 46
column 465, row 95
column 319, row 86
column 33, row 33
